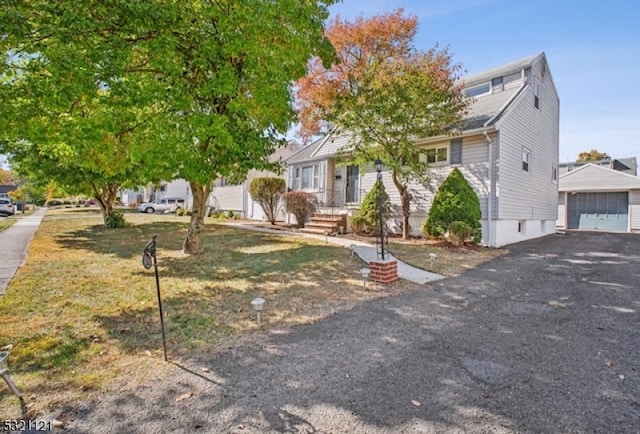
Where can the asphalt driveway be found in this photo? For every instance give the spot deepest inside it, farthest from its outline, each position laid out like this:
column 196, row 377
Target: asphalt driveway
column 543, row 340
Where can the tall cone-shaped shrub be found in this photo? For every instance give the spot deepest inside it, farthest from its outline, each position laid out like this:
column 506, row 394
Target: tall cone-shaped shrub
column 454, row 201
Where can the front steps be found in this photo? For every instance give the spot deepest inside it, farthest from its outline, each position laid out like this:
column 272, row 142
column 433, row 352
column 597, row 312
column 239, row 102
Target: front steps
column 326, row 223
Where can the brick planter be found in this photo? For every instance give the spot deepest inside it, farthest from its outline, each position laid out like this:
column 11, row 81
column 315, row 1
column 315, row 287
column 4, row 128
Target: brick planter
column 384, row 271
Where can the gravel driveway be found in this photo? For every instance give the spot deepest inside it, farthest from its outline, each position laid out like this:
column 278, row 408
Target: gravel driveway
column 542, row 340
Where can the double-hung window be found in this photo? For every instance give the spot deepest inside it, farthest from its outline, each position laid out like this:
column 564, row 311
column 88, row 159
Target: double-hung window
column 435, row 155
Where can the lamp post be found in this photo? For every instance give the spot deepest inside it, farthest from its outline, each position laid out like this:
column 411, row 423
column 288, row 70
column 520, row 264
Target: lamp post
column 379, row 164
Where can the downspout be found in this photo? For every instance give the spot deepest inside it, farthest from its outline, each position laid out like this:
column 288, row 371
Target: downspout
column 490, row 201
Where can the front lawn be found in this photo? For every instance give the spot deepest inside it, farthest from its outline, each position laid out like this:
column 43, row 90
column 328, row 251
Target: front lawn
column 82, row 312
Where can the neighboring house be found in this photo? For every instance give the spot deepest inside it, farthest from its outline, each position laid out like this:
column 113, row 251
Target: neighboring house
column 596, row 197
column 151, row 192
column 6, row 188
column 624, row 165
column 507, row 149
column 236, row 198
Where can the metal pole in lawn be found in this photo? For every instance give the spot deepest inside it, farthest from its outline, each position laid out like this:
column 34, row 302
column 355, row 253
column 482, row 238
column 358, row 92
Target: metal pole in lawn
column 149, row 259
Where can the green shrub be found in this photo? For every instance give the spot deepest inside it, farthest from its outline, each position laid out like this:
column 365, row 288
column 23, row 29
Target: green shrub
column 300, row 204
column 115, row 219
column 229, row 214
column 454, row 201
column 267, row 192
column 180, row 212
column 459, row 232
column 367, row 219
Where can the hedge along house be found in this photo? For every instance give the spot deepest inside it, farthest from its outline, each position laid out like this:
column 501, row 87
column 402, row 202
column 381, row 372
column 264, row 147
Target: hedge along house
column 595, row 197
column 507, row 149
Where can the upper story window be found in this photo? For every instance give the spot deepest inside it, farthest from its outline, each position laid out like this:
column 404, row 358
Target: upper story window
column 435, row 155
column 478, row 90
column 526, row 158
column 536, row 95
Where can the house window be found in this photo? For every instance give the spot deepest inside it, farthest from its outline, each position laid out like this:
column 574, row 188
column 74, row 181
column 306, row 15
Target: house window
column 307, row 177
column 536, row 95
column 478, row 90
column 526, row 158
column 496, row 84
column 456, row 151
column 435, row 155
column 554, row 173
column 521, row 226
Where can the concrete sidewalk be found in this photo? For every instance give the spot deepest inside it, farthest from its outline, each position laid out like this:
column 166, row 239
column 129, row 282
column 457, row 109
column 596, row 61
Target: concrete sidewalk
column 17, row 239
column 365, row 251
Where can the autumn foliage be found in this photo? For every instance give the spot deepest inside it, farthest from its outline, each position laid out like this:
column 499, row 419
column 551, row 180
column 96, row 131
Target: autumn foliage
column 385, row 93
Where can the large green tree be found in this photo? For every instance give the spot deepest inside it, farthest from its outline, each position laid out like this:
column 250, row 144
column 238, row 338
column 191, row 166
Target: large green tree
column 385, row 93
column 211, row 80
column 70, row 113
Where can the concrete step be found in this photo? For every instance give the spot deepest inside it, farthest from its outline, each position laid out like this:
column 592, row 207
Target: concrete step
column 310, row 230
column 323, row 226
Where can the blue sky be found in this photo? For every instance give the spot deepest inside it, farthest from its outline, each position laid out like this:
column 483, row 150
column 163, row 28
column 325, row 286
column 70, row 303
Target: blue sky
column 593, row 49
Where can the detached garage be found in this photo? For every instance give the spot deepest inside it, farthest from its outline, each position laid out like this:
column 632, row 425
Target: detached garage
column 597, row 198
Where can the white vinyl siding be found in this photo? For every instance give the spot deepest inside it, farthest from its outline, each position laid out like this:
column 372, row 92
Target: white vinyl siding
column 229, row 198
column 634, row 210
column 562, row 211
column 532, row 195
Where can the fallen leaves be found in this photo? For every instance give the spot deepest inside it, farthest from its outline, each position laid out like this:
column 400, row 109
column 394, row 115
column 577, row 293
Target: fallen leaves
column 184, row 396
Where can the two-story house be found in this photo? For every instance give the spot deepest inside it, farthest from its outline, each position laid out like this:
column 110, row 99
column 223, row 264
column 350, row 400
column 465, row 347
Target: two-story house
column 507, row 149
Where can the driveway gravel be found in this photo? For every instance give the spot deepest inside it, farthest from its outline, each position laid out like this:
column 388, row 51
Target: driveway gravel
column 542, row 340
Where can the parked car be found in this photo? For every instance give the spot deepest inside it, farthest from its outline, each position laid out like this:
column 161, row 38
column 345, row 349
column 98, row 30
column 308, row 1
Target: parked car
column 6, row 207
column 164, row 205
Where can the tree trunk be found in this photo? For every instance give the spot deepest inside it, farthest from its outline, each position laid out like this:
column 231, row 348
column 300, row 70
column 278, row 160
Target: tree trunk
column 405, row 200
column 193, row 242
column 106, row 197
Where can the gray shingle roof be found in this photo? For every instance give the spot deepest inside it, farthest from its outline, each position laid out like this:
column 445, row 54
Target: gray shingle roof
column 305, row 153
column 487, row 107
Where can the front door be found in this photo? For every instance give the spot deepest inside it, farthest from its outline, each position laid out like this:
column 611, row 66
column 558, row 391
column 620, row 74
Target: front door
column 353, row 184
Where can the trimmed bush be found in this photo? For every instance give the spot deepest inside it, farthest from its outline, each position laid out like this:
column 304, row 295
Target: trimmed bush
column 267, row 192
column 300, row 204
column 459, row 232
column 367, row 219
column 454, row 201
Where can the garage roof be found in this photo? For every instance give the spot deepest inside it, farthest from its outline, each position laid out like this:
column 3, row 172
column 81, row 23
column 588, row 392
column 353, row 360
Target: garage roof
column 597, row 178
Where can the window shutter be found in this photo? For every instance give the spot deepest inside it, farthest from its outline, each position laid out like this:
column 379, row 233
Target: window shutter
column 456, row 151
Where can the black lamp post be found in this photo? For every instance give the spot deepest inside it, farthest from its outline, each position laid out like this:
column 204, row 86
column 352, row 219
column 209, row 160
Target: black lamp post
column 379, row 164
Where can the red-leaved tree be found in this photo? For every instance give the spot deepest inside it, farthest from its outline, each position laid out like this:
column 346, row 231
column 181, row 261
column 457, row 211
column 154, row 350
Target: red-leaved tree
column 385, row 93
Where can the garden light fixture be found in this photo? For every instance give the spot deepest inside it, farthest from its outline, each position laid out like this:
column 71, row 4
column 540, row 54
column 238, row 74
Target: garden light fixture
column 365, row 275
column 258, row 305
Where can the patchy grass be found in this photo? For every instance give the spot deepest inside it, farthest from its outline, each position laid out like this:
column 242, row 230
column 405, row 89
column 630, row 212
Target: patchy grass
column 6, row 222
column 450, row 260
column 82, row 312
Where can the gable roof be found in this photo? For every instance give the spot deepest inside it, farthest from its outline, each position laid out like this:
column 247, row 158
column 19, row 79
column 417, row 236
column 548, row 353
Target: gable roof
column 591, row 177
column 307, row 153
